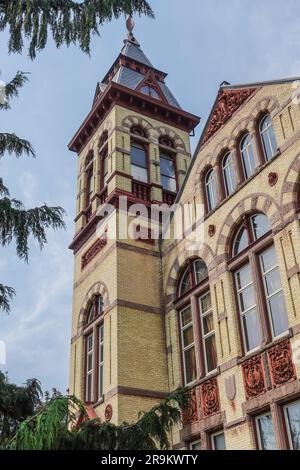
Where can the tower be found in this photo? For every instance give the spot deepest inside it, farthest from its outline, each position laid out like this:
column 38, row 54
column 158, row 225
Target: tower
column 134, row 143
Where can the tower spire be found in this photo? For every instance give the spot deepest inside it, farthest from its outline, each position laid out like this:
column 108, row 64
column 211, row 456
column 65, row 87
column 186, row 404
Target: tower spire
column 130, row 24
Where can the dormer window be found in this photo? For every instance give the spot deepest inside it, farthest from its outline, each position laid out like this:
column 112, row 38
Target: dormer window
column 150, row 91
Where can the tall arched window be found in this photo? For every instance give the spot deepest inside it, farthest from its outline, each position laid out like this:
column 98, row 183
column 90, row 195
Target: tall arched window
column 94, row 344
column 268, row 137
column 139, row 156
column 248, row 155
column 103, row 151
column 211, row 190
column 89, row 171
column 258, row 286
column 196, row 321
column 228, row 173
column 167, row 165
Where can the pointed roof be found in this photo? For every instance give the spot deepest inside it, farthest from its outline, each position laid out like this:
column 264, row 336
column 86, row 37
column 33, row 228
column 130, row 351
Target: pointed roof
column 132, row 50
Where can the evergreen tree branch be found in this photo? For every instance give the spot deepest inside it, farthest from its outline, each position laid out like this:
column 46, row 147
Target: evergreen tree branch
column 67, row 21
column 18, row 224
column 12, row 89
column 6, row 295
column 10, row 143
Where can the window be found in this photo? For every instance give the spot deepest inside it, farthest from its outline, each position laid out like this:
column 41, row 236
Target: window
column 248, row 156
column 211, row 192
column 167, row 173
column 208, row 333
column 228, row 174
column 94, row 339
column 150, row 91
column 89, row 368
column 89, row 186
column 265, row 432
column 196, row 445
column 194, row 282
column 254, row 227
column 139, row 162
column 218, row 441
column 188, row 345
column 268, row 137
column 292, row 421
column 258, row 285
column 101, row 361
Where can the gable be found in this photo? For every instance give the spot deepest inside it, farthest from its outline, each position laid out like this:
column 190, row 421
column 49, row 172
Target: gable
column 227, row 103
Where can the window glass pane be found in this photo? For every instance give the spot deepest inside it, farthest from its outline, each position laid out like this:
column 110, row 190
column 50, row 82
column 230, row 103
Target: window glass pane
column 185, row 283
column 261, row 225
column 266, row 432
column 167, row 167
column 241, row 242
column 139, row 174
column 268, row 137
column 273, row 282
column 293, row 424
column 190, row 365
column 247, row 299
column 90, row 362
column 195, row 445
column 229, row 175
column 101, row 381
column 219, row 442
column 278, row 314
column 89, row 388
column 208, row 324
column 211, row 353
column 268, row 259
column 252, row 330
column 244, row 277
column 200, row 270
column 169, row 184
column 211, row 191
column 248, row 156
column 188, row 336
column 138, row 156
column 205, row 303
column 186, row 317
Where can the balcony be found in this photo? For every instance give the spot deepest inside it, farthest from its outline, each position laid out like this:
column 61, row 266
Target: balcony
column 141, row 190
column 169, row 198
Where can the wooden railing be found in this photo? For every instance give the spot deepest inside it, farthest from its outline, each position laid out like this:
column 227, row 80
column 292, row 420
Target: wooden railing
column 169, row 198
column 141, row 190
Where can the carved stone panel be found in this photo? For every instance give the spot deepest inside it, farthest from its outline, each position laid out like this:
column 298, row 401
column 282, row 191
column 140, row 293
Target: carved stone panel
column 191, row 415
column 254, row 377
column 210, row 398
column 93, row 251
column 281, row 364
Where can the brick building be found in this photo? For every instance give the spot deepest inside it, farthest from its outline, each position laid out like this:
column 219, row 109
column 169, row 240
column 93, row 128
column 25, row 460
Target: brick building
column 224, row 319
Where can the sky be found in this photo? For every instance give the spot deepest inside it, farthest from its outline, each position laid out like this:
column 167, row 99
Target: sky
column 199, row 45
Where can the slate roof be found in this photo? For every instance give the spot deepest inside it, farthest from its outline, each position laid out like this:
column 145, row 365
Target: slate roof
column 133, row 51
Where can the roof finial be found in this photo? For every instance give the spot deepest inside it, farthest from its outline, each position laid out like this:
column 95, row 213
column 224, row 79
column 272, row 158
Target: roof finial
column 130, row 24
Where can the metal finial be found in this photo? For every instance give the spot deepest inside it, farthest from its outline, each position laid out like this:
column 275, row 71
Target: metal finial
column 130, row 24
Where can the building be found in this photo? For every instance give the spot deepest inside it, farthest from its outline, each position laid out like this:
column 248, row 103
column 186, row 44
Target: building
column 222, row 319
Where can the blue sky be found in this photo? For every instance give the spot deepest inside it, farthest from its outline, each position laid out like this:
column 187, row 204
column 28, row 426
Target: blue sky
column 199, row 45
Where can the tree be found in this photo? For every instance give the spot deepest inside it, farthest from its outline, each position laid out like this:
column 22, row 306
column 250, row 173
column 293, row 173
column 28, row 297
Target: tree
column 16, row 404
column 68, row 22
column 55, row 427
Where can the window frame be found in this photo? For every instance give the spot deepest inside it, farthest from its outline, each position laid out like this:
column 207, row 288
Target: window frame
column 195, row 442
column 211, row 185
column 168, row 156
column 225, row 166
column 212, row 439
column 287, row 426
column 184, row 349
column 136, row 143
column 89, row 372
column 267, row 131
column 243, row 149
column 257, row 429
column 206, row 336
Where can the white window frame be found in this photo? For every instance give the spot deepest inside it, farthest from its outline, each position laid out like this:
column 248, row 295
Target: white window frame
column 208, row 335
column 228, row 163
column 267, row 296
column 211, row 190
column 193, row 443
column 100, row 362
column 287, row 423
column 244, row 149
column 262, row 132
column 89, row 372
column 257, row 418
column 212, row 438
column 186, row 348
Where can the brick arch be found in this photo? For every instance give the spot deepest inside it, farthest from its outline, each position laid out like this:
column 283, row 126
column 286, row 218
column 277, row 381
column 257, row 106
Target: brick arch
column 162, row 131
column 245, row 124
column 268, row 103
column 99, row 288
column 130, row 121
column 204, row 165
column 291, row 188
column 205, row 253
column 258, row 202
column 225, row 144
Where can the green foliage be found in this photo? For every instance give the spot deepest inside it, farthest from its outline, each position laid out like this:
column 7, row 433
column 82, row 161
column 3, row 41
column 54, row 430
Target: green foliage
column 16, row 404
column 55, row 427
column 12, row 89
column 67, row 21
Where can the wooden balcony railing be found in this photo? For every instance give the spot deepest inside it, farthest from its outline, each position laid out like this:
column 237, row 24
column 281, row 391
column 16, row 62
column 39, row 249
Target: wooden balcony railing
column 141, row 190
column 169, row 198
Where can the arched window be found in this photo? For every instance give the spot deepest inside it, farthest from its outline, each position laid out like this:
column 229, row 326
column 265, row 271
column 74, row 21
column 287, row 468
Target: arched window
column 139, row 162
column 211, row 190
column 89, row 171
column 258, row 287
column 94, row 340
column 228, row 173
column 150, row 91
column 194, row 282
column 248, row 155
column 268, row 137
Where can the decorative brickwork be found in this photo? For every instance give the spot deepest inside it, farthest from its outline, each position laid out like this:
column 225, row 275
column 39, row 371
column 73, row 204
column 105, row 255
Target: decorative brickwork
column 93, row 251
column 210, row 398
column 281, row 364
column 254, row 377
column 108, row 413
column 191, row 415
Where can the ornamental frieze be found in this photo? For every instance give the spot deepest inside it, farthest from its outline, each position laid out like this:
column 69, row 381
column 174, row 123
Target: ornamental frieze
column 210, row 398
column 191, row 414
column 93, row 251
column 228, row 102
column 254, row 377
column 281, row 364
